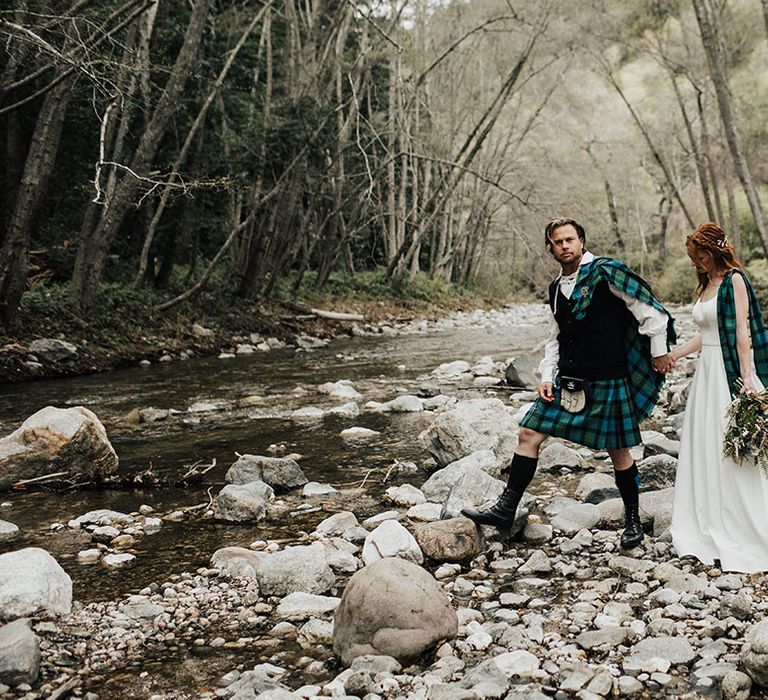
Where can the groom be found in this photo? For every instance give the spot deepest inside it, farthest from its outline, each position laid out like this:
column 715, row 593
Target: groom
column 601, row 372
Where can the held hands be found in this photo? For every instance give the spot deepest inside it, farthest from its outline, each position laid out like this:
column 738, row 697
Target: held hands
column 546, row 391
column 663, row 363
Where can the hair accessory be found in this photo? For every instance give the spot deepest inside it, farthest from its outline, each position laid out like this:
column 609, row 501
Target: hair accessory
column 723, row 242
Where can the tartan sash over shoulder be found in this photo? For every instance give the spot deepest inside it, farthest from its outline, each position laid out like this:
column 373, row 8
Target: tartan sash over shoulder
column 726, row 326
column 644, row 383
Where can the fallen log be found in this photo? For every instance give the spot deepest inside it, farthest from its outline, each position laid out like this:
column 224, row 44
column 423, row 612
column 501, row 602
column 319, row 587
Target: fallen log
column 323, row 313
column 337, row 315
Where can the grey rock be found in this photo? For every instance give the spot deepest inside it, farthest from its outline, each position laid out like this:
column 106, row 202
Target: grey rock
column 439, row 484
column 603, row 494
column 391, row 539
column 657, row 472
column 754, row 653
column 470, row 426
column 538, row 533
column 53, row 349
column 339, row 524
column 238, row 503
column 19, row 653
column 738, row 605
column 571, row 679
column 237, row 562
column 608, row 637
column 295, row 569
column 279, row 473
column 8, row 531
column 452, row 540
column 594, row 482
column 32, row 581
column 512, row 376
column 475, row 490
column 736, row 686
column 57, row 440
column 655, row 443
column 629, row 686
column 575, row 518
column 676, row 650
column 142, row 611
column 366, row 622
column 104, row 516
column 303, row 606
column 557, row 455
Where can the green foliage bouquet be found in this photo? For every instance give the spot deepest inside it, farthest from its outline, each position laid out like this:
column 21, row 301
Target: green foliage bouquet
column 746, row 437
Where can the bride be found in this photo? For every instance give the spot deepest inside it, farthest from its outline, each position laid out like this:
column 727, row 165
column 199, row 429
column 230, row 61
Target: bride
column 721, row 507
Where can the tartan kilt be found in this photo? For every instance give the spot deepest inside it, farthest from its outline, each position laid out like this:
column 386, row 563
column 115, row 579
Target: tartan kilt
column 609, row 419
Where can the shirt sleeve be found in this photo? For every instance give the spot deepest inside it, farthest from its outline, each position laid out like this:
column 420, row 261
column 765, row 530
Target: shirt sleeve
column 653, row 322
column 548, row 365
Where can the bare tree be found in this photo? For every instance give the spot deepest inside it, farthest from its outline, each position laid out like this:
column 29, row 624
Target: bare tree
column 94, row 245
column 714, row 48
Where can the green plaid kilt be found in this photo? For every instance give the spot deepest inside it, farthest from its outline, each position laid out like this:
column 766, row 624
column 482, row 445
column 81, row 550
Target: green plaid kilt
column 609, row 419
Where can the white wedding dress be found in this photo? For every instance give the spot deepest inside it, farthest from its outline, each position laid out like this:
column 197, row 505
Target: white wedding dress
column 721, row 507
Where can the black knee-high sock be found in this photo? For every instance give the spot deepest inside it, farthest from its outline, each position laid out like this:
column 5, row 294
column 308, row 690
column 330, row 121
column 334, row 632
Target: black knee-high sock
column 521, row 472
column 628, row 483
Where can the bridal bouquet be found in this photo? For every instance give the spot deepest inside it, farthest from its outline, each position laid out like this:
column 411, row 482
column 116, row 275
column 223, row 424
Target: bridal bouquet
column 746, row 437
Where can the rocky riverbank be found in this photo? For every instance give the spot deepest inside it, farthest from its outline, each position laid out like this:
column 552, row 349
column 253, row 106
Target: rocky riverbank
column 412, row 601
column 63, row 346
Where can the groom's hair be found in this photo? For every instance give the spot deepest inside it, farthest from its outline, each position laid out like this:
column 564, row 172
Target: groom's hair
column 555, row 224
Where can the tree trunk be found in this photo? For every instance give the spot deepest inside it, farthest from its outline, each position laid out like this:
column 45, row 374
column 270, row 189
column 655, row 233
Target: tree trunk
column 733, row 216
column 613, row 216
column 707, row 154
column 38, row 166
column 697, row 158
column 93, row 248
column 182, row 156
column 712, row 41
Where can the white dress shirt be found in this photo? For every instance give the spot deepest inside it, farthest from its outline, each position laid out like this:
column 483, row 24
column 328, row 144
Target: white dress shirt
column 652, row 322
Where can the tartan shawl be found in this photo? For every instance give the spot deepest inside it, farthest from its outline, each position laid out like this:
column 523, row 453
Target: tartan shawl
column 644, row 382
column 726, row 326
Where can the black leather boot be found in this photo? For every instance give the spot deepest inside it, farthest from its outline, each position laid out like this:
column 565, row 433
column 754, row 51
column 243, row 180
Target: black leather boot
column 501, row 514
column 633, row 527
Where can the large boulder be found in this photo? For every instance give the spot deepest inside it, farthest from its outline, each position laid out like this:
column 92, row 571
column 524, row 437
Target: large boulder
column 247, row 502
column 366, row 621
column 304, row 569
column 439, row 484
column 32, row 581
column 279, row 473
column 57, row 440
column 477, row 424
column 474, row 489
column 19, row 653
column 454, row 540
column 53, row 349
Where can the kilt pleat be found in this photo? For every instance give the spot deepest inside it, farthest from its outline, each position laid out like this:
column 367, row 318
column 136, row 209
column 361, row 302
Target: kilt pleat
column 608, row 421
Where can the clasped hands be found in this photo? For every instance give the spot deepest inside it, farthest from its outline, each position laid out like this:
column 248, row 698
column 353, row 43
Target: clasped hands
column 663, row 363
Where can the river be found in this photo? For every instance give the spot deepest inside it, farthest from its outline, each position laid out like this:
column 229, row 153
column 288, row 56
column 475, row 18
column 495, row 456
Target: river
column 380, row 368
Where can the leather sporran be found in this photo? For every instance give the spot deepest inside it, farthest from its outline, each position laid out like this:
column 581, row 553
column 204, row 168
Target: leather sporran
column 573, row 394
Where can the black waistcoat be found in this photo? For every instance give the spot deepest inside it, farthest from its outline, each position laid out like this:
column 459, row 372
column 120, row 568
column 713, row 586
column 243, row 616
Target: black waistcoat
column 592, row 347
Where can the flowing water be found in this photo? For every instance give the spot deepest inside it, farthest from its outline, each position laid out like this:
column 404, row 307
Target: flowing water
column 379, row 366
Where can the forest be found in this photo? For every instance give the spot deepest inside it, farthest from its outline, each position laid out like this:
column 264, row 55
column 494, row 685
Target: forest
column 161, row 153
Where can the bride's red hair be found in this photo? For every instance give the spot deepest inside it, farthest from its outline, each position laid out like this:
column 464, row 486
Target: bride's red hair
column 711, row 238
